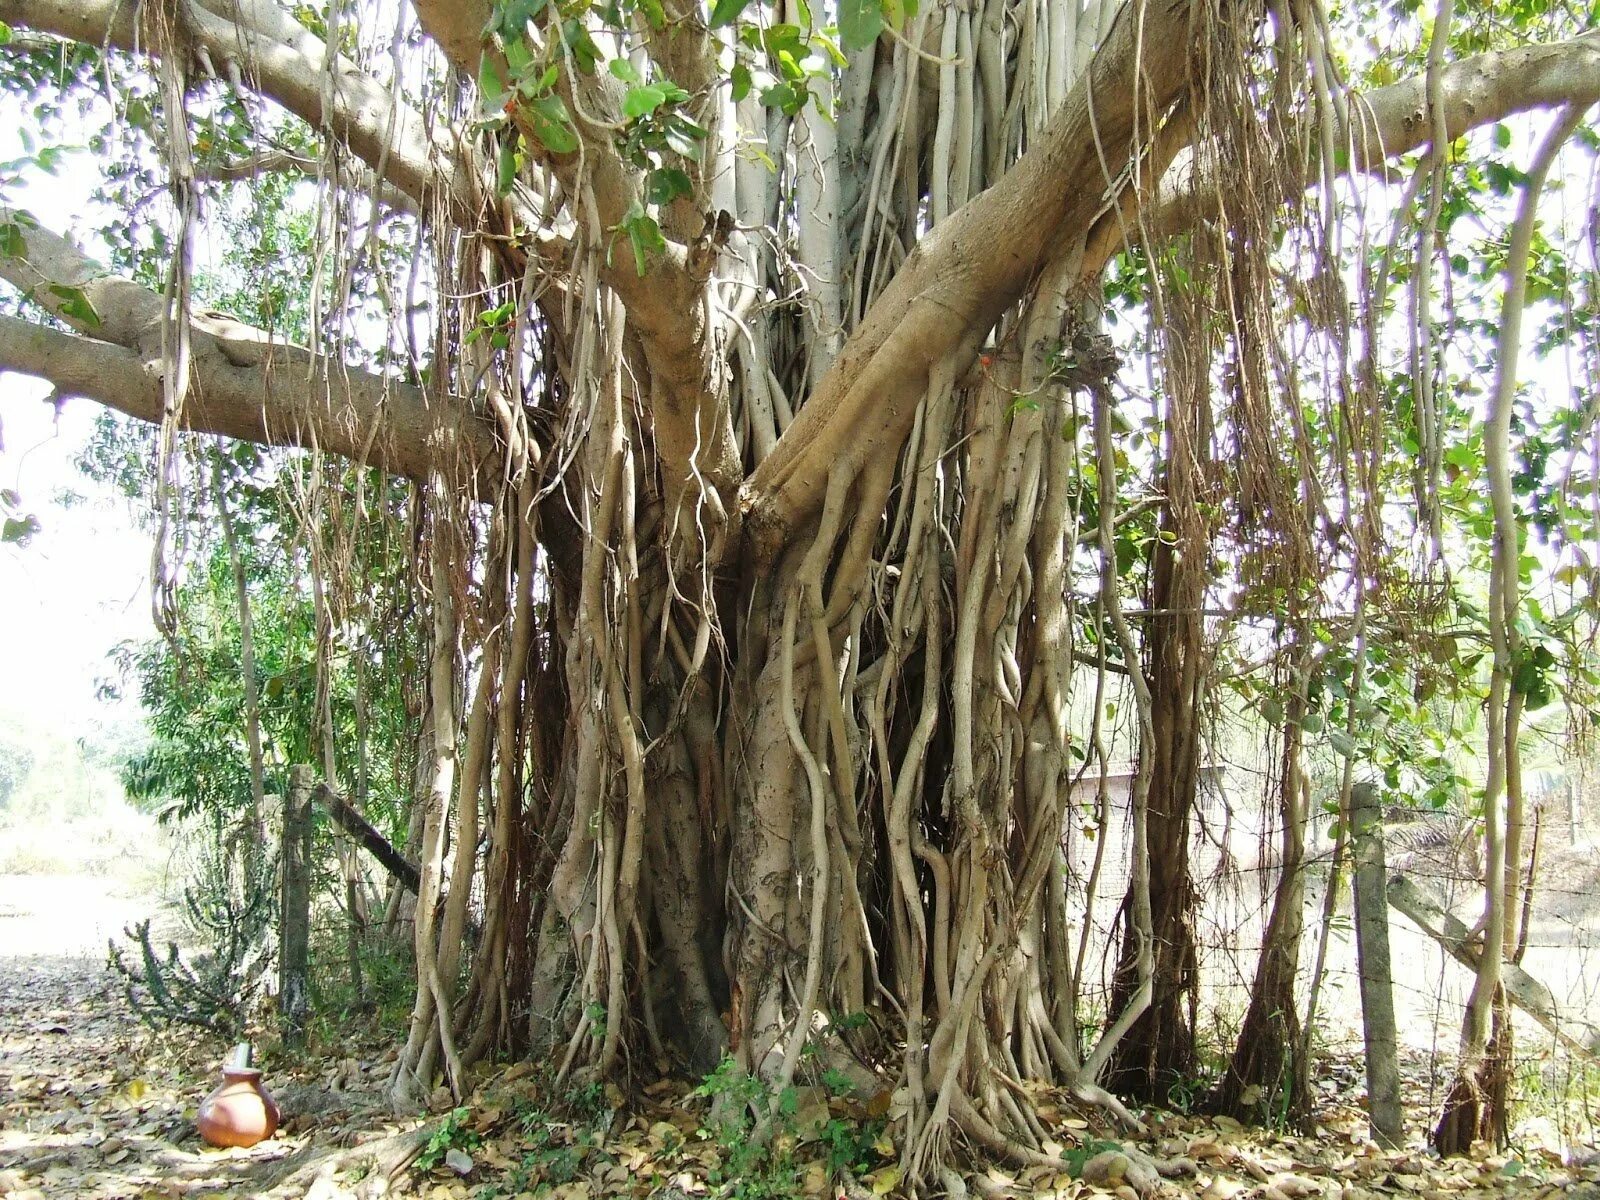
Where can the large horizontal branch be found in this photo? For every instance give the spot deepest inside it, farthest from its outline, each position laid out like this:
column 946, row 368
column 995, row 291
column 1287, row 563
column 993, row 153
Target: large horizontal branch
column 965, row 273
column 1475, row 92
column 289, row 64
column 244, row 385
column 1393, row 120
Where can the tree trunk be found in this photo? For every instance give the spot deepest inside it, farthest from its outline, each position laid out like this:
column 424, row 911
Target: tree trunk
column 1268, row 1079
column 1372, row 956
column 755, row 514
column 1475, row 1108
column 294, row 922
column 1158, row 1052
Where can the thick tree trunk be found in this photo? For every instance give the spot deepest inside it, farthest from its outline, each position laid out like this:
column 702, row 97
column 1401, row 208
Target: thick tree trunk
column 769, row 646
column 1159, row 1051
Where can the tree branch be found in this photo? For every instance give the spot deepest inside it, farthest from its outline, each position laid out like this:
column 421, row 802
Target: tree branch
column 276, row 161
column 245, row 384
column 289, row 64
column 666, row 306
column 456, row 27
column 362, row 832
column 1394, row 120
column 971, row 267
column 1475, row 92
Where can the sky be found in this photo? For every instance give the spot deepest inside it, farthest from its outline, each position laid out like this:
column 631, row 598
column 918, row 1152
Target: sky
column 81, row 585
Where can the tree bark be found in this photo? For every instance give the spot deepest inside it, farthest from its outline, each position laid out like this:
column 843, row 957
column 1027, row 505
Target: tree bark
column 294, row 922
column 246, row 384
column 1370, row 879
column 795, row 766
column 373, row 842
column 1268, row 1077
column 1158, row 1052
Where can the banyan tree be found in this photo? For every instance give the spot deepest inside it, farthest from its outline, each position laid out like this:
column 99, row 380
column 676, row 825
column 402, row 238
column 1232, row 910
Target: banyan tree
column 776, row 502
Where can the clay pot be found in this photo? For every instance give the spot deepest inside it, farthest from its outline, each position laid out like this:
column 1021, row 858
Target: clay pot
column 238, row 1113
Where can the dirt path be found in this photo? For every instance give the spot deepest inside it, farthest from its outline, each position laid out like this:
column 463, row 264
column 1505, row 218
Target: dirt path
column 95, row 1106
column 91, row 1103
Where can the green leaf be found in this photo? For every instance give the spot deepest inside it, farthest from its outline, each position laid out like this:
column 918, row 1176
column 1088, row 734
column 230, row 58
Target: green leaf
column 19, row 531
column 519, row 59
column 506, row 172
column 644, row 235
column 740, row 76
column 683, row 136
column 781, row 40
column 74, row 304
column 580, row 45
column 624, row 70
column 898, row 12
column 860, row 23
column 643, row 100
column 552, row 125
column 5, row 33
column 12, row 244
column 784, row 96
column 666, row 184
column 137, row 113
column 726, row 12
column 513, row 17
column 835, row 56
column 490, row 86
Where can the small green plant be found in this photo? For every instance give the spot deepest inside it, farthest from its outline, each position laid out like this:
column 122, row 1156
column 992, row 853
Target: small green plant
column 453, row 1134
column 1077, row 1156
column 851, row 1145
column 228, row 910
column 761, row 1137
column 756, row 1133
column 557, row 1151
column 837, row 1082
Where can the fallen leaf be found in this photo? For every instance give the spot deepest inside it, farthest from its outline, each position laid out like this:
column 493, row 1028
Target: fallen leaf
column 884, row 1180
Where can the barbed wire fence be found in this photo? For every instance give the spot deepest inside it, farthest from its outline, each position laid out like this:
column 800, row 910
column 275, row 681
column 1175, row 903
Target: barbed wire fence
column 1234, row 862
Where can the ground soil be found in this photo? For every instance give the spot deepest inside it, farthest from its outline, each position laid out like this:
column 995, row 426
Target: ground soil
column 95, row 1105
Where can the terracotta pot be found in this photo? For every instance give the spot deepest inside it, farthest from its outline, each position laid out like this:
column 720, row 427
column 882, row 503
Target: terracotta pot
column 238, row 1113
